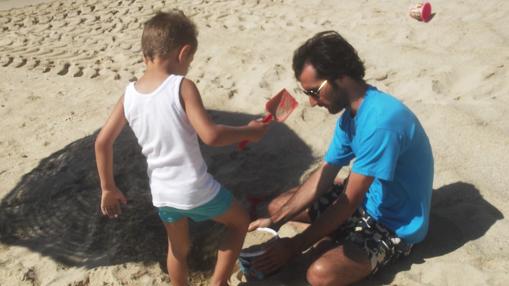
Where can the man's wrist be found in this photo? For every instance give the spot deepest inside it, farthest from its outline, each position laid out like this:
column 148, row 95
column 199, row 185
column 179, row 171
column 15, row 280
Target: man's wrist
column 280, row 217
column 275, row 223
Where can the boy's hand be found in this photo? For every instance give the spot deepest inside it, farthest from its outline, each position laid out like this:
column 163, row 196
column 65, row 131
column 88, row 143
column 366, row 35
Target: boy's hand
column 110, row 202
column 259, row 129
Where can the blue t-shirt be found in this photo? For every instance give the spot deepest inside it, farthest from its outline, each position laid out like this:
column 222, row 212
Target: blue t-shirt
column 389, row 144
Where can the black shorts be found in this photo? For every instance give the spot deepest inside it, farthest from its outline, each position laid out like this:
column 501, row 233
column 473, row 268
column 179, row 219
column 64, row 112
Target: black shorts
column 381, row 244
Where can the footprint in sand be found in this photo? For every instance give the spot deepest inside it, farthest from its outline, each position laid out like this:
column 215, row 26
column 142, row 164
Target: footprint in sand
column 70, row 37
column 19, row 61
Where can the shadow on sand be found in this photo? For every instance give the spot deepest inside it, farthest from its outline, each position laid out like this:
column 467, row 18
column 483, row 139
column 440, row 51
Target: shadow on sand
column 54, row 209
column 459, row 214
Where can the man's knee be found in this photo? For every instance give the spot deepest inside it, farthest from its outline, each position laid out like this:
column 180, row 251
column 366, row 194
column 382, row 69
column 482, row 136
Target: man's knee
column 323, row 273
column 273, row 207
column 278, row 202
column 319, row 273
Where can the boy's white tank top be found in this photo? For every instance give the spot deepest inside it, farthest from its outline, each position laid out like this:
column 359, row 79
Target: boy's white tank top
column 176, row 169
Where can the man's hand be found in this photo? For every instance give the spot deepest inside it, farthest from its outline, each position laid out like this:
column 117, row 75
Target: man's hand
column 277, row 254
column 261, row 222
column 110, row 202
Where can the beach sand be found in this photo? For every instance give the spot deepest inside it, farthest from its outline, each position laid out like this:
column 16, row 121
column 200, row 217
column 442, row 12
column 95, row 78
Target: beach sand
column 64, row 64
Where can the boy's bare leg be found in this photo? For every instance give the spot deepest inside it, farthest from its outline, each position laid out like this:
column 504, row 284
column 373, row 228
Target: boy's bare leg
column 236, row 221
column 178, row 249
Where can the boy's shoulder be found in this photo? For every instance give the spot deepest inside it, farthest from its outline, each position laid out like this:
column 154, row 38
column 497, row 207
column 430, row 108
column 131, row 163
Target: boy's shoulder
column 188, row 87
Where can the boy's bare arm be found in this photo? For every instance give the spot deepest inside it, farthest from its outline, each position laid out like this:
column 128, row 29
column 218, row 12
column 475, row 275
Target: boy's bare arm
column 111, row 196
column 209, row 132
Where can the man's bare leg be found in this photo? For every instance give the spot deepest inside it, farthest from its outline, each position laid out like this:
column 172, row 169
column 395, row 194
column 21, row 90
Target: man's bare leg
column 338, row 265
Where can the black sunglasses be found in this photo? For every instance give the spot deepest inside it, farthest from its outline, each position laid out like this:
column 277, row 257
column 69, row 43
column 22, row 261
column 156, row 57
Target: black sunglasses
column 314, row 92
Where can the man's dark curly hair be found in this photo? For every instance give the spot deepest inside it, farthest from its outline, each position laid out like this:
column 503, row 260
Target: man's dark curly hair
column 331, row 55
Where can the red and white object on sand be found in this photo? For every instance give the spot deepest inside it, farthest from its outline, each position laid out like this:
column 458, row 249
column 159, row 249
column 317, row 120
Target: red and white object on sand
column 421, row 12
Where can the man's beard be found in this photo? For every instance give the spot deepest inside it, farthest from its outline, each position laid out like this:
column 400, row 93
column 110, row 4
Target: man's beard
column 338, row 99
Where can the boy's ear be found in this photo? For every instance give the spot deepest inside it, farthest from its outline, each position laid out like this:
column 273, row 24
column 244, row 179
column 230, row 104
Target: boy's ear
column 184, row 52
column 146, row 60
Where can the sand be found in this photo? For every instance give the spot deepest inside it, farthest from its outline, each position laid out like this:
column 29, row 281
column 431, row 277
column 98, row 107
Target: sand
column 64, row 64
column 255, row 239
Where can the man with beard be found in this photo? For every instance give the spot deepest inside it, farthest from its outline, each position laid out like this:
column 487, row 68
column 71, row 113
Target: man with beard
column 375, row 216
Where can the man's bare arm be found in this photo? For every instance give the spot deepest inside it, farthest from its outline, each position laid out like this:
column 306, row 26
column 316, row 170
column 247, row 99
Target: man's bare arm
column 319, row 182
column 335, row 215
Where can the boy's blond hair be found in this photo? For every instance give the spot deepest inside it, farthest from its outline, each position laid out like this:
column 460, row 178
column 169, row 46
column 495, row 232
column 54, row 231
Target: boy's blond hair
column 167, row 31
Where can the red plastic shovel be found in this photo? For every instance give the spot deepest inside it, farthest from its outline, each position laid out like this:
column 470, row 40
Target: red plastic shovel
column 277, row 108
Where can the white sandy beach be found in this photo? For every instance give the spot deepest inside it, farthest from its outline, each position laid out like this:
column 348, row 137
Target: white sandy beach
column 65, row 63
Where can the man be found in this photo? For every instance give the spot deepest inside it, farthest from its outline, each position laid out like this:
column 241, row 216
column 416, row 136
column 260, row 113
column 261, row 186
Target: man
column 382, row 209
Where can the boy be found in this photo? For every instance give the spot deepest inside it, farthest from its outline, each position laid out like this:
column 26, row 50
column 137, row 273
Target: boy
column 166, row 113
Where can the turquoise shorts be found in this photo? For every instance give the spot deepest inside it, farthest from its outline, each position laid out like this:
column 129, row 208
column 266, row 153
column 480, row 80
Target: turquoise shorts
column 215, row 207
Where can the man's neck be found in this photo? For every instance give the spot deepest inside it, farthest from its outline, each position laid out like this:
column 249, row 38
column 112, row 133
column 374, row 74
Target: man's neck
column 356, row 91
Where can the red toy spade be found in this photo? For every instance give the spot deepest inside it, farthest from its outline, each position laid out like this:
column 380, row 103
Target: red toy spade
column 277, row 108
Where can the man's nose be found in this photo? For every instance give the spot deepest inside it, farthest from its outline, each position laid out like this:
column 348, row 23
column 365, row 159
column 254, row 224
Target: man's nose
column 313, row 101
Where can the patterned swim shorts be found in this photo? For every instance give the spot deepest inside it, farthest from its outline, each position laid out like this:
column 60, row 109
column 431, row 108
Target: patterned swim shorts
column 380, row 243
